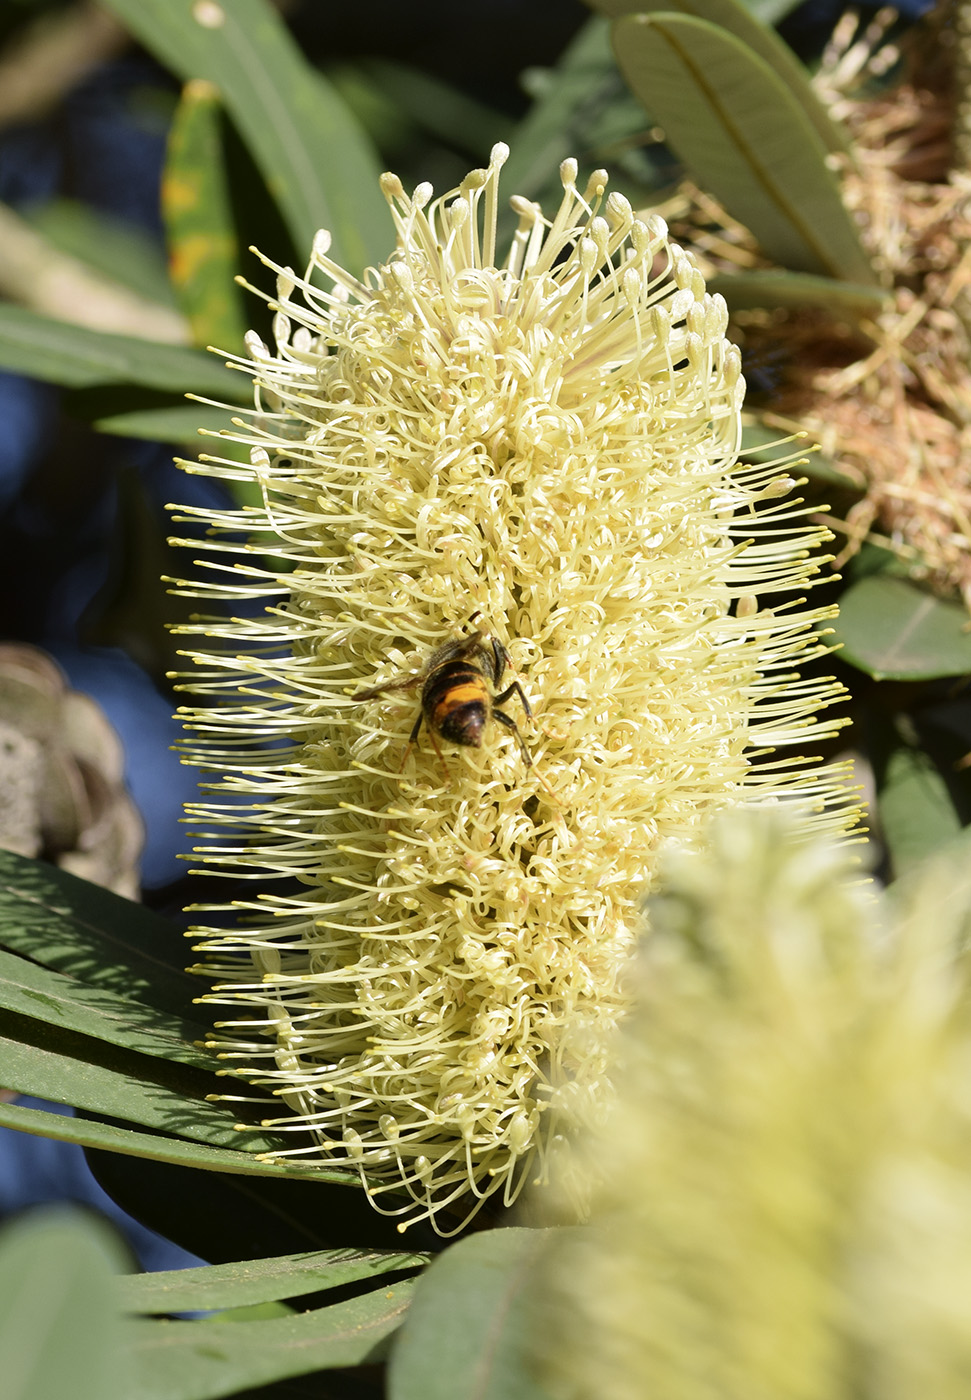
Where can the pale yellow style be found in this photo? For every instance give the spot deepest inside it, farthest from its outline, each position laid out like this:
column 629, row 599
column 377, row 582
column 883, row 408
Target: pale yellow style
column 550, row 443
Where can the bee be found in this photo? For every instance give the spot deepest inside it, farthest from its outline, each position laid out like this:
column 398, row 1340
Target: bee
column 458, row 696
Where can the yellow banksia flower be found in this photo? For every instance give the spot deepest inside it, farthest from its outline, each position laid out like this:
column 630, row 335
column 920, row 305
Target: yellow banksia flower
column 784, row 1200
column 544, row 453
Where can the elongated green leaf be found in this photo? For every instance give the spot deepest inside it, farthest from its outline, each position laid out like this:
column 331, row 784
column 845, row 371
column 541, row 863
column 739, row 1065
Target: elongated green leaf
column 118, row 250
column 737, row 127
column 114, row 1083
column 759, row 38
column 258, row 1280
column 196, row 208
column 772, row 288
column 548, row 133
column 59, row 1324
column 894, row 630
column 89, row 933
column 196, row 1361
column 109, row 1137
column 67, row 1002
column 179, row 424
column 445, row 110
column 78, row 357
column 317, row 162
column 465, row 1334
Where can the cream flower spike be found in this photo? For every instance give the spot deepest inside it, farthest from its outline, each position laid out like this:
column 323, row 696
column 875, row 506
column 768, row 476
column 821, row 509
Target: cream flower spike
column 542, row 453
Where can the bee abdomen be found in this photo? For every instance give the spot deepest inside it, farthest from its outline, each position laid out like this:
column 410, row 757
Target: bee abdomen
column 461, row 721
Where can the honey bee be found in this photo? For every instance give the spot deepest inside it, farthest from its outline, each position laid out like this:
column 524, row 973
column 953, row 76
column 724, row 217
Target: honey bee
column 458, row 693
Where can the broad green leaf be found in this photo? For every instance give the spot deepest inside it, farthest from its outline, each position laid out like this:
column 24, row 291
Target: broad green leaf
column 67, row 1002
column 318, row 164
column 258, row 1280
column 89, row 933
column 771, row 288
column 77, row 357
column 196, row 1361
column 915, row 804
column 196, row 208
column 893, row 630
column 745, row 138
column 759, row 38
column 112, row 1083
column 119, row 250
column 466, row 1332
column 59, row 1324
column 109, row 1137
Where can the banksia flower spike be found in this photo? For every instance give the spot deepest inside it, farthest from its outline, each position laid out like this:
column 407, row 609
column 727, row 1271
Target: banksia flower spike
column 536, row 458
column 783, row 1209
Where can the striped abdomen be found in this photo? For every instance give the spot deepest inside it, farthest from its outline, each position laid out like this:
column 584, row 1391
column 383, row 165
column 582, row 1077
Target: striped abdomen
column 456, row 703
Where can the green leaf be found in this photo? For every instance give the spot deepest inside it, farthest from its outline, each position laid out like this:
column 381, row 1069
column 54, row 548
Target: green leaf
column 89, row 933
column 59, row 1325
column 78, row 357
column 197, row 211
column 772, row 288
column 466, row 1333
column 917, row 816
column 318, row 164
column 552, row 127
column 745, row 138
column 761, row 39
column 110, row 1137
column 891, row 629
column 445, row 111
column 66, row 1002
column 258, row 1280
column 179, row 424
column 118, row 250
column 196, row 1361
column 113, row 1083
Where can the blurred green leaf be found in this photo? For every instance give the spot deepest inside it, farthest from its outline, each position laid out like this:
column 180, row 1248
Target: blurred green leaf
column 196, row 1361
column 445, row 111
column 179, row 424
column 893, row 630
column 196, row 208
column 121, row 251
column 745, row 138
column 89, row 933
column 258, row 1280
column 556, row 123
column 318, row 164
column 914, row 802
column 772, row 287
column 466, row 1332
column 75, row 356
column 762, row 40
column 762, row 443
column 38, row 993
column 59, row 1325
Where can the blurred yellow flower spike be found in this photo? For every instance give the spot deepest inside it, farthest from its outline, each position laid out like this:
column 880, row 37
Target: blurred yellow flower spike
column 538, row 463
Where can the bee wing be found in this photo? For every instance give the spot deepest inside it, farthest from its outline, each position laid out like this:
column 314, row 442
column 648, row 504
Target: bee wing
column 404, row 683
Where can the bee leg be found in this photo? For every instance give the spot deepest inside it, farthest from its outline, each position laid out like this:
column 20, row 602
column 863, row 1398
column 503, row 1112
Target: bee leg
column 441, row 756
column 516, row 689
column 510, row 723
column 411, row 740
